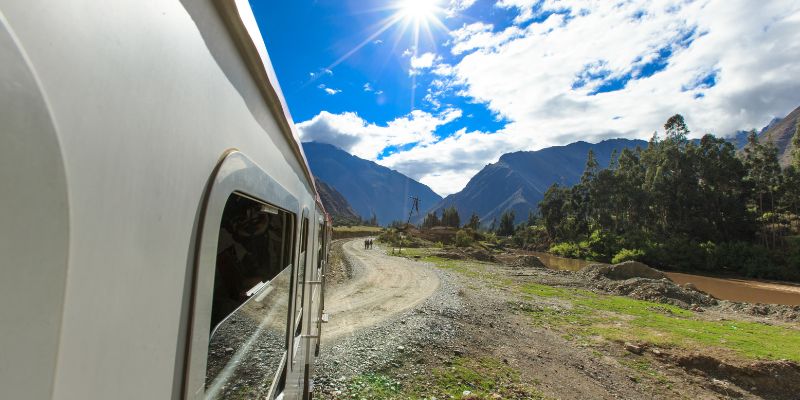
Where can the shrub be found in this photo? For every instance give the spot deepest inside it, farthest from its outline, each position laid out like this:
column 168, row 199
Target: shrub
column 463, row 238
column 628, row 255
column 568, row 249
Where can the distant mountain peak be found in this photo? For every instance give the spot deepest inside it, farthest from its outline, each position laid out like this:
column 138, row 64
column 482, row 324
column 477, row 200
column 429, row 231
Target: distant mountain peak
column 369, row 187
column 518, row 180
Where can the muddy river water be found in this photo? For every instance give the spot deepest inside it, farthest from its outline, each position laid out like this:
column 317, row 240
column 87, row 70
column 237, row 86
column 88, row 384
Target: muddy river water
column 750, row 291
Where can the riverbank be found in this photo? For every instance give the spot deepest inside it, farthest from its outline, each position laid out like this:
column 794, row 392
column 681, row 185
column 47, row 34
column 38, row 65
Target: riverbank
column 732, row 288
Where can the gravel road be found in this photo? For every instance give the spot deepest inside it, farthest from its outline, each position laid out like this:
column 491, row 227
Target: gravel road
column 391, row 309
column 381, row 287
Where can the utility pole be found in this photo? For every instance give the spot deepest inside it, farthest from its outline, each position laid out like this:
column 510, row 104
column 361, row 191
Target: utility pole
column 414, row 207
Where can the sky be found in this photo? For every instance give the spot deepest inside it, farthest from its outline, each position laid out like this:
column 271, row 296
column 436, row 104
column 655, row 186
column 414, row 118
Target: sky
column 438, row 89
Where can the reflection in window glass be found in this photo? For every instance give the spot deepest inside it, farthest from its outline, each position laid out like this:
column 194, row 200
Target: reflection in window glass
column 251, row 300
column 301, row 266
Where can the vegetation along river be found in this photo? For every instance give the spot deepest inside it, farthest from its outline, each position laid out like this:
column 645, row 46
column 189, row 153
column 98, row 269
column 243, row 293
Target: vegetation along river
column 750, row 291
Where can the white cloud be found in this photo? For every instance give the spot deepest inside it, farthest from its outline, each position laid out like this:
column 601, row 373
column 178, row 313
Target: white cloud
column 480, row 36
column 323, row 71
column 545, row 77
column 353, row 134
column 456, row 6
column 448, row 164
column 367, row 87
column 328, row 90
column 424, row 61
column 529, row 79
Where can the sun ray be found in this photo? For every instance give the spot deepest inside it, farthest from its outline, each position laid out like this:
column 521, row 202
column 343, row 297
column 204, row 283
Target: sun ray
column 415, row 17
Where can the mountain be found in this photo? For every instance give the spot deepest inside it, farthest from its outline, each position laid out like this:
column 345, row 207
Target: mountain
column 780, row 132
column 336, row 205
column 518, row 180
column 368, row 187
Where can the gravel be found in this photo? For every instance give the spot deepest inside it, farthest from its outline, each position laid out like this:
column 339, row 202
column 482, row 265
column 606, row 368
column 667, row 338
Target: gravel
column 429, row 326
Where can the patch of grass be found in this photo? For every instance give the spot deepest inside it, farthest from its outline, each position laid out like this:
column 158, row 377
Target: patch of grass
column 415, row 252
column 617, row 318
column 645, row 369
column 426, row 254
column 482, row 378
column 374, row 386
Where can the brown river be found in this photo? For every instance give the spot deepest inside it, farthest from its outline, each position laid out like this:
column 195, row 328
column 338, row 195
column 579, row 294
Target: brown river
column 750, row 291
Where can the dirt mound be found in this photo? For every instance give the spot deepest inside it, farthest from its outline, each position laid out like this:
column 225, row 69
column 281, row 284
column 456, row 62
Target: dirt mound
column 636, row 280
column 467, row 253
column 769, row 379
column 660, row 291
column 778, row 311
column 625, row 270
column 527, row 261
column 441, row 234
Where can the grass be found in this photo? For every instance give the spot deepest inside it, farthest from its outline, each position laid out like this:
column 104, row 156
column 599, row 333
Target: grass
column 483, row 378
column 644, row 369
column 373, row 386
column 586, row 314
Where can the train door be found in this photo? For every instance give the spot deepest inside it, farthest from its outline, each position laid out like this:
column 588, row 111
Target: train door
column 240, row 321
column 298, row 354
column 314, row 301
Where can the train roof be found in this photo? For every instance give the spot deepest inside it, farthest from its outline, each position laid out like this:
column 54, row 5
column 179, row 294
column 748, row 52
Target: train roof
column 244, row 29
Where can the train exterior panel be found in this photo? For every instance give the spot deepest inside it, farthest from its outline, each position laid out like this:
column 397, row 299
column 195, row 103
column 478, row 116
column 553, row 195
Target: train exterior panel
column 136, row 135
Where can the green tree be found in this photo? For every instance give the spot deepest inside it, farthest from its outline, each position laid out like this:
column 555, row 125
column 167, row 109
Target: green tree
column 676, row 129
column 506, row 227
column 553, row 210
column 431, row 220
column 532, row 220
column 474, row 222
column 763, row 172
column 450, row 217
column 796, row 147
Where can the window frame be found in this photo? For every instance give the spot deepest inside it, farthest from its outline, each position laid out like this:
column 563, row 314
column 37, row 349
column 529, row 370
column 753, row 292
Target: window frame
column 235, row 173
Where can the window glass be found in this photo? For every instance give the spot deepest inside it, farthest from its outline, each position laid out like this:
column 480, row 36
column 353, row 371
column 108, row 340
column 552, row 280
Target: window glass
column 301, row 266
column 249, row 322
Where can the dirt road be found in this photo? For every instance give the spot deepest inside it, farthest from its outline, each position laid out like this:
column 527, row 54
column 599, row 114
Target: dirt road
column 382, row 286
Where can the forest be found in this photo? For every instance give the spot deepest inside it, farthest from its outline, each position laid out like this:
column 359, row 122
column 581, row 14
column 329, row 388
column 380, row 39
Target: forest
column 681, row 204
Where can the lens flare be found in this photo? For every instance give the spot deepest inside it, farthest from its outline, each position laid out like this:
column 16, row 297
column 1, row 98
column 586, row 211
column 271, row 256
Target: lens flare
column 418, row 9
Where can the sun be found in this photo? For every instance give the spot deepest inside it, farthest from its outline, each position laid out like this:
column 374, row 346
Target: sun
column 418, row 10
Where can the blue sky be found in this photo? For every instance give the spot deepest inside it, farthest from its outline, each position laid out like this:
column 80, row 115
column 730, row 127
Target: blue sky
column 437, row 90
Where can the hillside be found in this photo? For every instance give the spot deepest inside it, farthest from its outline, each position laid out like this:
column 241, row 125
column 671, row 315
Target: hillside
column 368, row 187
column 518, row 180
column 336, row 205
column 780, row 132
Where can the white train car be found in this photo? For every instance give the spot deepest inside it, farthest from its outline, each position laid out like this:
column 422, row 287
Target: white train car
column 160, row 232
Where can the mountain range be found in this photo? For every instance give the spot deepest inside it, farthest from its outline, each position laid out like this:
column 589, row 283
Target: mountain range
column 518, row 180
column 336, row 205
column 371, row 189
column 780, row 132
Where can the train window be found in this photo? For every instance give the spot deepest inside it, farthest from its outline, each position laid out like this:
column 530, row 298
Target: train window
column 249, row 317
column 320, row 245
